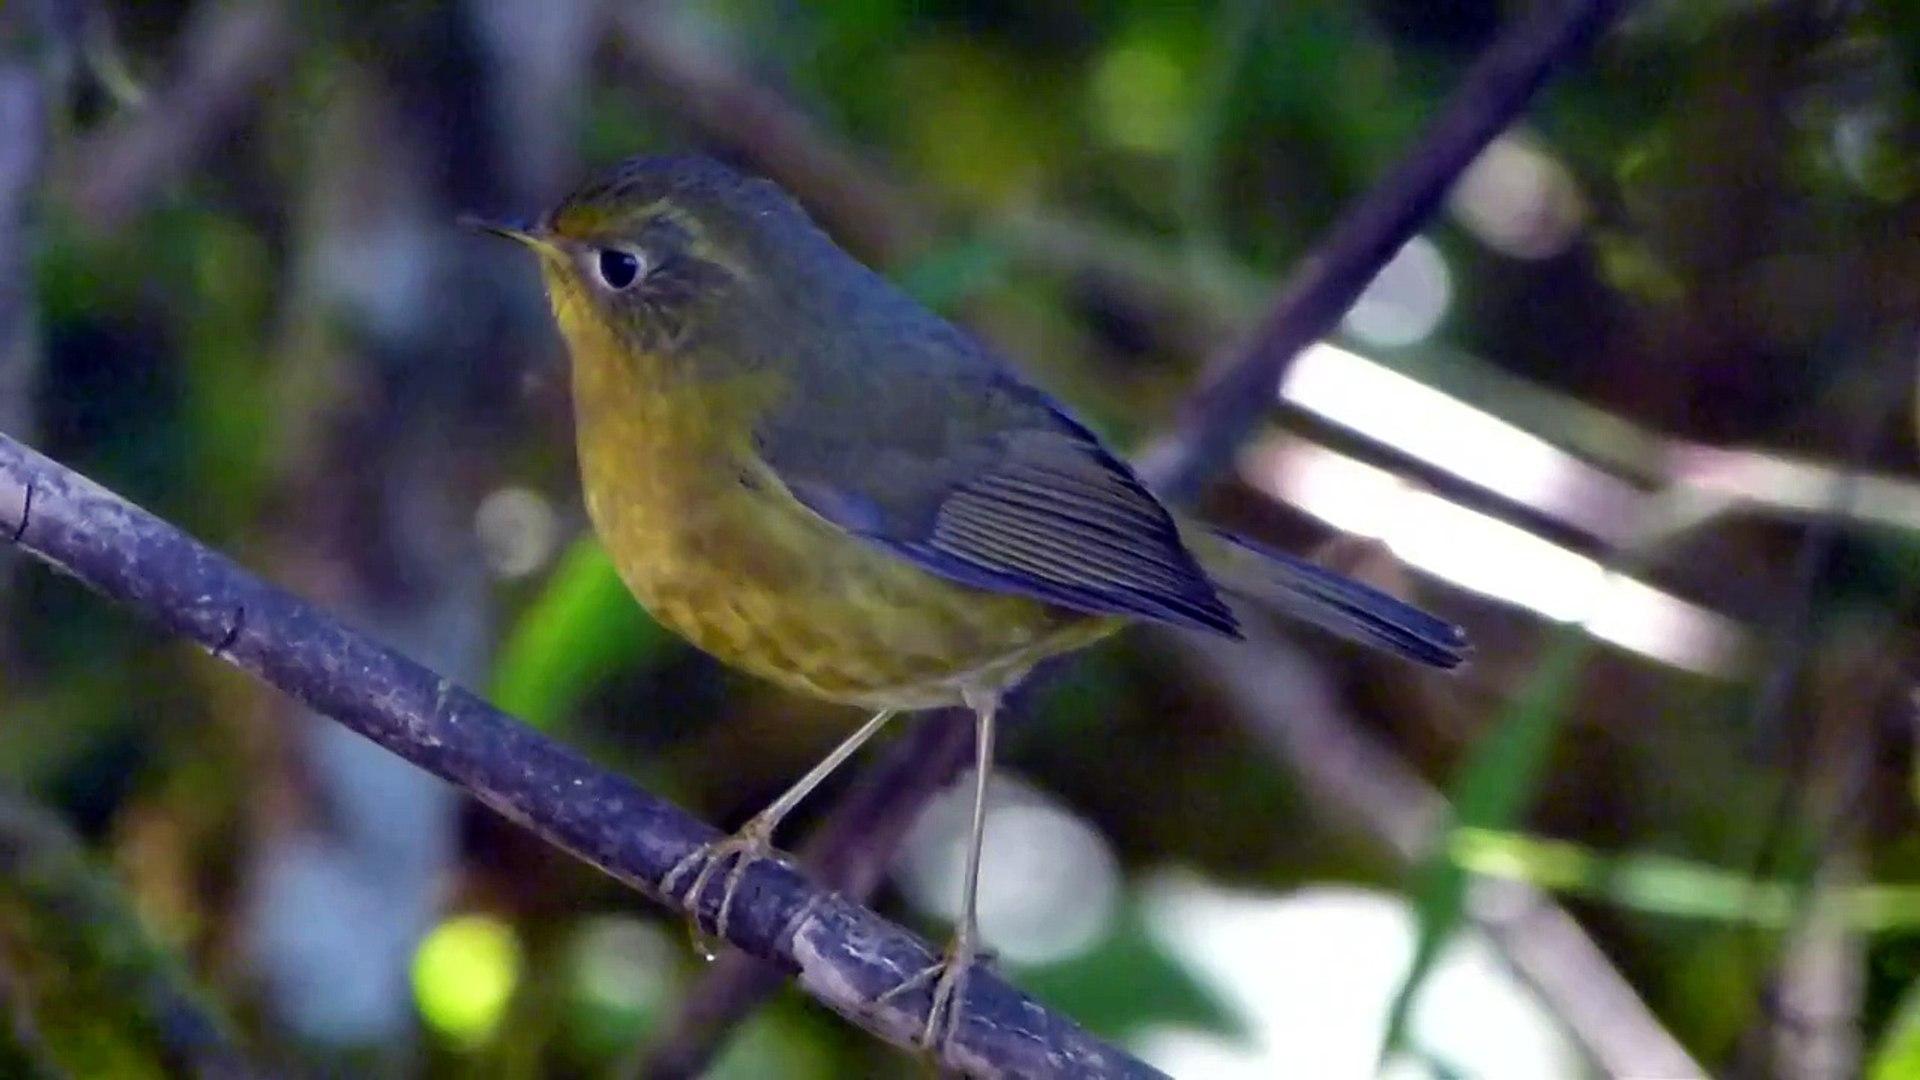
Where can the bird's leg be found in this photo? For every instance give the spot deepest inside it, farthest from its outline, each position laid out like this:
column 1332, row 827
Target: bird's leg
column 754, row 841
column 949, row 976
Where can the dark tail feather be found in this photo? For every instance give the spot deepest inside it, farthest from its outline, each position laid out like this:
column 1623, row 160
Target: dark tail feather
column 1331, row 601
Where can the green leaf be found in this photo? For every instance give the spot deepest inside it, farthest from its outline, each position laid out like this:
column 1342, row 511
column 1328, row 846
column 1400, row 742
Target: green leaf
column 1491, row 792
column 1898, row 1056
column 583, row 627
column 1678, row 888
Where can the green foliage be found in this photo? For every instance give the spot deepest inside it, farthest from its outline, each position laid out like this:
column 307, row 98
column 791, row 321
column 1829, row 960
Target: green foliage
column 581, row 629
column 1898, row 1056
column 1111, row 194
column 104, row 998
column 1491, row 792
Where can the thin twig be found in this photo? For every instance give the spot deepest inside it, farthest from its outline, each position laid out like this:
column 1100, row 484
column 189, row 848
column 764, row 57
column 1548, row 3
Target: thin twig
column 1291, row 707
column 1239, row 389
column 1772, row 737
column 22, row 149
column 842, row 954
column 23, row 1050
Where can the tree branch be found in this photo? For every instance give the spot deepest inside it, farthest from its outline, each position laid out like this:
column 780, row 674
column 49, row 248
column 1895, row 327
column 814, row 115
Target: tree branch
column 870, row 215
column 842, row 954
column 1239, row 389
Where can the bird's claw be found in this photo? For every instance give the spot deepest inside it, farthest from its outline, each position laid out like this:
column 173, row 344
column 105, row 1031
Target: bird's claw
column 949, row 979
column 750, row 845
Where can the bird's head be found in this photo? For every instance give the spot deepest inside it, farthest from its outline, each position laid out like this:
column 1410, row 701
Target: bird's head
column 656, row 249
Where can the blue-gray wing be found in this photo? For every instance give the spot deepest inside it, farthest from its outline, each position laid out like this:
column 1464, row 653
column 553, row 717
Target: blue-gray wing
column 984, row 481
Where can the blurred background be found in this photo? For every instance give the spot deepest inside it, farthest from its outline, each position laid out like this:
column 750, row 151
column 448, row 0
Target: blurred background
column 1636, row 408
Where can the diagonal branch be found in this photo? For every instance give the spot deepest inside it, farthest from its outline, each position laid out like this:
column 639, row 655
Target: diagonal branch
column 1238, row 390
column 842, row 954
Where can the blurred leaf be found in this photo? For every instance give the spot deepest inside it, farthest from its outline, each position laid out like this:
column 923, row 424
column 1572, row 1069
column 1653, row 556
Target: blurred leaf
column 1128, row 983
column 583, row 627
column 774, row 1043
column 1491, row 792
column 1898, row 1056
column 105, row 998
column 1681, row 888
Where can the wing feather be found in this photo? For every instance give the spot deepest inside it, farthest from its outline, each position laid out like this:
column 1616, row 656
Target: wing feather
column 1034, row 506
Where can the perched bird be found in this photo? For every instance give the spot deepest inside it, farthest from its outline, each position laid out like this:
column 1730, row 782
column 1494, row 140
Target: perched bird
column 816, row 479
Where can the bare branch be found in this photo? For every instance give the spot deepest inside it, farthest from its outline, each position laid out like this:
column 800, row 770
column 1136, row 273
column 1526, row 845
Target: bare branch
column 23, row 1052
column 1239, row 389
column 22, row 148
column 842, row 954
column 872, row 216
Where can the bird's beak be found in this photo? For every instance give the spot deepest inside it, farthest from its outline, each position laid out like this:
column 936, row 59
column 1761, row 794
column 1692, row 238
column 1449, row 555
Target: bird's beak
column 531, row 235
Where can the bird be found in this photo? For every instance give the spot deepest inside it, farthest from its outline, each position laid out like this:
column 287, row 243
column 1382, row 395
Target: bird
column 812, row 477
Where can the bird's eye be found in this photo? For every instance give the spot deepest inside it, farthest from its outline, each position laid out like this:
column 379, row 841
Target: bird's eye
column 617, row 268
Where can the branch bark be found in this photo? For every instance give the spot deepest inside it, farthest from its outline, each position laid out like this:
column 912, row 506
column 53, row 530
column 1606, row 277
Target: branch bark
column 842, row 954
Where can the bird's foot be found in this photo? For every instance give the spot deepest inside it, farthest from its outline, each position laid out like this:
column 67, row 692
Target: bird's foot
column 752, row 844
column 949, row 979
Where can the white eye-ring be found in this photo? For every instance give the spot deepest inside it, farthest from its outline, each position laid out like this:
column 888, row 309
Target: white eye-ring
column 617, row 268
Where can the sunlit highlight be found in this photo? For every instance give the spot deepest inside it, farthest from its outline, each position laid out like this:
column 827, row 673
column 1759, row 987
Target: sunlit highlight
column 1371, row 399
column 1483, row 554
column 1796, row 487
column 1311, row 976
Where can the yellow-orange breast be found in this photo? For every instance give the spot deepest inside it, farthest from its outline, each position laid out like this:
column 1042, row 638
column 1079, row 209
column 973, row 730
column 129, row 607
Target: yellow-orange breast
column 717, row 550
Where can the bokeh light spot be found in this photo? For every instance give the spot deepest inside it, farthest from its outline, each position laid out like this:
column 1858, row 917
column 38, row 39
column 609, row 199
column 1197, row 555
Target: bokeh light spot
column 463, row 977
column 1518, row 200
column 1406, row 299
column 518, row 531
column 1049, row 881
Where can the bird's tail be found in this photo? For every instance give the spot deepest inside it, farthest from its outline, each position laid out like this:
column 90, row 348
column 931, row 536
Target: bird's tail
column 1326, row 599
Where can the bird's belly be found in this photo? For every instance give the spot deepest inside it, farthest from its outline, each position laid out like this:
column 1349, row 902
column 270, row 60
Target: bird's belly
column 753, row 578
